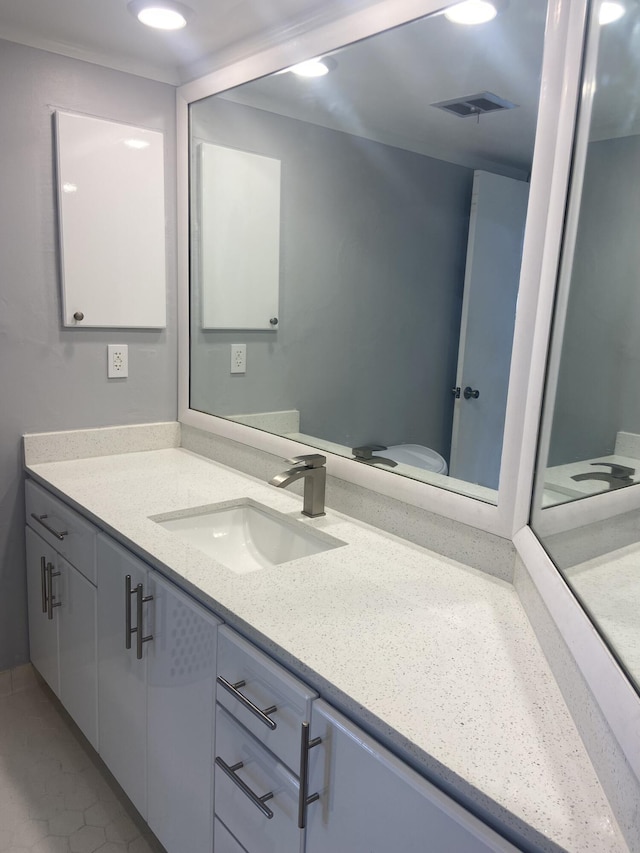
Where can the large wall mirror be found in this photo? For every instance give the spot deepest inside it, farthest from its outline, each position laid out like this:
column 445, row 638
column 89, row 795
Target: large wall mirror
column 356, row 238
column 585, row 511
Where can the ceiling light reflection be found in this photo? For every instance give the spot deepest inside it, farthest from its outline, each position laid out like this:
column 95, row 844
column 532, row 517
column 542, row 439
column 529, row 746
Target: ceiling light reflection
column 136, row 144
column 610, row 12
column 310, row 68
column 471, row 12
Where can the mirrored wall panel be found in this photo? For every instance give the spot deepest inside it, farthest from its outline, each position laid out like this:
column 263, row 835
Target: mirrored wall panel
column 590, row 446
column 356, row 237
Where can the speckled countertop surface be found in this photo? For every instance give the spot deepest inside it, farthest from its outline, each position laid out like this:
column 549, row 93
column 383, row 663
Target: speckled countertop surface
column 436, row 659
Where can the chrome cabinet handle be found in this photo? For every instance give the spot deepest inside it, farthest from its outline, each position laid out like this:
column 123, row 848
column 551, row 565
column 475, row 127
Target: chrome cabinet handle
column 140, row 639
column 51, row 600
column 258, row 802
column 261, row 714
column 471, row 393
column 57, row 533
column 43, row 583
column 304, row 798
column 128, row 630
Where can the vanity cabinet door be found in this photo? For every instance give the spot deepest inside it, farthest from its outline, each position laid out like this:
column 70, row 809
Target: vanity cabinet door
column 77, row 620
column 122, row 678
column 43, row 632
column 256, row 795
column 371, row 802
column 181, row 671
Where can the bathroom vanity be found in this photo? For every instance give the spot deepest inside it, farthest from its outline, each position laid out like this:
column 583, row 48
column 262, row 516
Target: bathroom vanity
column 421, row 676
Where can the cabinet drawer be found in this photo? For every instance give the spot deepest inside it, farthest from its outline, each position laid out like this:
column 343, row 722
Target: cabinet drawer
column 223, row 841
column 266, row 685
column 261, row 774
column 61, row 527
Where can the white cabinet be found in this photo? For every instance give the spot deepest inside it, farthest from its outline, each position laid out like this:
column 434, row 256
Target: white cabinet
column 43, row 632
column 263, row 696
column 157, row 710
column 256, row 795
column 259, row 719
column 291, row 774
column 62, row 631
column 77, row 640
column 122, row 678
column 181, row 671
column 371, row 802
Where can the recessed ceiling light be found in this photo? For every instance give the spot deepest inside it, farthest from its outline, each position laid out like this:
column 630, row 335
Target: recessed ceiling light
column 317, row 67
column 471, row 12
column 610, row 12
column 160, row 14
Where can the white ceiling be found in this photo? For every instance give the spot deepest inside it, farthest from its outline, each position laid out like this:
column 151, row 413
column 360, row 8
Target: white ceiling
column 104, row 31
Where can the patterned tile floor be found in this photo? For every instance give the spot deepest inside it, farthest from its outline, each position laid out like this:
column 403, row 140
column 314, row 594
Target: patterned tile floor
column 55, row 795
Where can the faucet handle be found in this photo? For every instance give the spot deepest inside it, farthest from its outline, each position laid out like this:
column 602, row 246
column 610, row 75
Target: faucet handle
column 367, row 450
column 311, row 460
column 618, row 472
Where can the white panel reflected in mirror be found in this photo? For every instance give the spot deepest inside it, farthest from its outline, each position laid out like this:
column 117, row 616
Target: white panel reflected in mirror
column 111, row 223
column 239, row 237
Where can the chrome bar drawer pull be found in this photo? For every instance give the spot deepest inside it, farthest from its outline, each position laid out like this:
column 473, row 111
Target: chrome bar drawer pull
column 261, row 714
column 258, row 802
column 304, row 798
column 43, row 583
column 51, row 599
column 140, row 600
column 59, row 534
column 128, row 630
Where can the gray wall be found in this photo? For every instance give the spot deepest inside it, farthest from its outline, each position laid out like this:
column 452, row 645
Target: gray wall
column 373, row 244
column 51, row 378
column 598, row 389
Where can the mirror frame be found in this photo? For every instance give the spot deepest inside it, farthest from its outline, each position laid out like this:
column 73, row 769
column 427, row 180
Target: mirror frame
column 590, row 509
column 560, row 77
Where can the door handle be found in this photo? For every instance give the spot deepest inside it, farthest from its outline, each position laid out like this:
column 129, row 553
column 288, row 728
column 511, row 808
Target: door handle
column 258, row 801
column 261, row 713
column 59, row 534
column 140, row 639
column 51, row 599
column 304, row 798
column 138, row 630
column 470, row 392
column 44, row 583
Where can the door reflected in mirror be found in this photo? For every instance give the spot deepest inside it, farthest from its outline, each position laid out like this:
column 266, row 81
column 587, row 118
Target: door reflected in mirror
column 356, row 241
column 584, row 513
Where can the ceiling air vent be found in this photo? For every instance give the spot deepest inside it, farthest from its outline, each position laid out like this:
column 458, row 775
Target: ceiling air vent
column 475, row 105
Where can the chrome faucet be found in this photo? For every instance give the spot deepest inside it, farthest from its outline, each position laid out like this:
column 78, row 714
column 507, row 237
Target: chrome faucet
column 365, row 454
column 311, row 469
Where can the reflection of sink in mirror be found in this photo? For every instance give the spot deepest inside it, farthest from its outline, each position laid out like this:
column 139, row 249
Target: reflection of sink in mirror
column 246, row 536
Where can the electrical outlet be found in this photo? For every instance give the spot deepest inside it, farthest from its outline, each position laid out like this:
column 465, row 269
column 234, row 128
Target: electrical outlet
column 117, row 361
column 238, row 358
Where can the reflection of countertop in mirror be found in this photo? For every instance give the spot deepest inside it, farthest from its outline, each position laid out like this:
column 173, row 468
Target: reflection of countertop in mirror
column 609, row 586
column 559, row 485
column 436, row 659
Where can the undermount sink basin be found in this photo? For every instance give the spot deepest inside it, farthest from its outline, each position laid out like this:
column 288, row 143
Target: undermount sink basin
column 245, row 536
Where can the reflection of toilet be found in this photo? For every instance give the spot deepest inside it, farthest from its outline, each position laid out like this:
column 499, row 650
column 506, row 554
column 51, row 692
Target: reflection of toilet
column 418, row 456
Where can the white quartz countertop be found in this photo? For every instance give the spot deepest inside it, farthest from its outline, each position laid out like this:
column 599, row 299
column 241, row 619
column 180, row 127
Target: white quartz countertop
column 436, row 659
